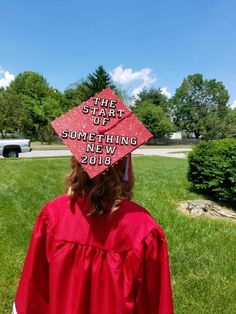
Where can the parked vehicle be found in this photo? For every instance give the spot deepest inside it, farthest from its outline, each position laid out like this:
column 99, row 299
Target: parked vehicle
column 12, row 147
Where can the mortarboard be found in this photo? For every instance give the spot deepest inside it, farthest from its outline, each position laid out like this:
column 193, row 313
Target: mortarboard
column 100, row 131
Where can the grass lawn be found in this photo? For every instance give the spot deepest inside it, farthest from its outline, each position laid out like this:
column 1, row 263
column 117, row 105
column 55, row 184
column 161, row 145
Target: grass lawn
column 45, row 146
column 202, row 251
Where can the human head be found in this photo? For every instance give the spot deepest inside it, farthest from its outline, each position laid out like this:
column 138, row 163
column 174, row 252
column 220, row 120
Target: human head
column 105, row 191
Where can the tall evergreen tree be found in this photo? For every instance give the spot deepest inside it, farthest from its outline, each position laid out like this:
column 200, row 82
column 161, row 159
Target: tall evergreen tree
column 97, row 81
column 94, row 83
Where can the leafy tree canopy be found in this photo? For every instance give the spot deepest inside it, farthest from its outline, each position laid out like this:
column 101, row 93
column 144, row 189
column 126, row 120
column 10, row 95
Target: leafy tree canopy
column 154, row 96
column 30, row 104
column 200, row 106
column 152, row 108
column 154, row 119
column 31, row 84
column 231, row 123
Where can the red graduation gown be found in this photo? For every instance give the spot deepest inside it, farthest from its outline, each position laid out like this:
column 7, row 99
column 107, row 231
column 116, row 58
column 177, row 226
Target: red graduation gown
column 80, row 264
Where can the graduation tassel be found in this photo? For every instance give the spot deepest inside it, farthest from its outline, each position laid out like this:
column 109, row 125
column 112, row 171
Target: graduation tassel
column 127, row 166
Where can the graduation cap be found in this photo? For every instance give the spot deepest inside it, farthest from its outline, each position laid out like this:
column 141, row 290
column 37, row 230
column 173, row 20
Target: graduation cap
column 100, row 131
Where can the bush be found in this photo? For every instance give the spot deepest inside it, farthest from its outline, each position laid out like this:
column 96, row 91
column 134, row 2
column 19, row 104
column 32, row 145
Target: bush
column 212, row 169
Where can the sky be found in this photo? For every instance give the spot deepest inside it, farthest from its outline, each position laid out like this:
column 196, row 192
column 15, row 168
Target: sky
column 142, row 44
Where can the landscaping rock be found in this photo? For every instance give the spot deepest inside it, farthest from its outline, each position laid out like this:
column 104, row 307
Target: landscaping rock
column 206, row 208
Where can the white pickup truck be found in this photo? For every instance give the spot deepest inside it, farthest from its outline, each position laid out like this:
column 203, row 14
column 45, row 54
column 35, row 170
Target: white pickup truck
column 12, row 147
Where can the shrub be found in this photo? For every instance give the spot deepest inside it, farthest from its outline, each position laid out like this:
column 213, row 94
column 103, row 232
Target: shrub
column 212, row 169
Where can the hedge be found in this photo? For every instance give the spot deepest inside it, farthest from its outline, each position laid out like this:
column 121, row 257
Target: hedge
column 212, row 169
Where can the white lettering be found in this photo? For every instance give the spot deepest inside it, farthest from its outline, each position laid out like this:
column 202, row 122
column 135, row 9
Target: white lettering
column 109, row 139
column 64, row 134
column 117, row 140
column 100, row 137
column 92, row 160
column 111, row 113
column 105, row 120
column 73, row 134
column 90, row 148
column 99, row 149
column 84, row 159
column 82, row 135
column 113, row 104
column 133, row 141
column 102, row 112
column 96, row 120
column 85, row 109
column 94, row 110
column 110, row 149
column 120, row 112
column 124, row 140
column 91, row 137
column 104, row 102
column 96, row 100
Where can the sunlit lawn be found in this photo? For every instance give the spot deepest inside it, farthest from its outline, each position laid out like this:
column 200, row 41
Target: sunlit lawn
column 202, row 251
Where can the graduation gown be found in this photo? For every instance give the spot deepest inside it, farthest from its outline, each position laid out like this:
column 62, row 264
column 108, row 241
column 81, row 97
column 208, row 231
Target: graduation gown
column 79, row 264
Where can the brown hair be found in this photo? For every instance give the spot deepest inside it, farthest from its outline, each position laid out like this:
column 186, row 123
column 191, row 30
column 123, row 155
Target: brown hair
column 104, row 192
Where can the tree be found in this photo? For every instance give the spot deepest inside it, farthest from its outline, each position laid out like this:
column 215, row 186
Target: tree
column 1, row 112
column 154, row 119
column 11, row 116
column 214, row 127
column 152, row 108
column 97, row 81
column 94, row 83
column 31, row 84
column 53, row 106
column 201, row 106
column 36, row 102
column 76, row 94
column 154, row 96
column 231, row 122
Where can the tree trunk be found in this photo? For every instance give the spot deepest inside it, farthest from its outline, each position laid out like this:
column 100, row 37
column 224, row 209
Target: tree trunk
column 197, row 134
column 2, row 133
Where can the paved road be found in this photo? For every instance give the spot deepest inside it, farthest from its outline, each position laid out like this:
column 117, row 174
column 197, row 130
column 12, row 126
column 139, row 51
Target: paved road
column 166, row 152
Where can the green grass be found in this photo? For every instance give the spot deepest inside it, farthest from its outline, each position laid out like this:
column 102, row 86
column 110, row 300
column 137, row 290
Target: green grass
column 45, row 146
column 186, row 152
column 202, row 251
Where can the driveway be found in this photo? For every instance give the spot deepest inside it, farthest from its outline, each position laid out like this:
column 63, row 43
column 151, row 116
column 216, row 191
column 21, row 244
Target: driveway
column 165, row 152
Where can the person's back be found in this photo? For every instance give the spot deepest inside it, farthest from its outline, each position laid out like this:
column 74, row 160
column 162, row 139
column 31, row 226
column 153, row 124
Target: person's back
column 78, row 263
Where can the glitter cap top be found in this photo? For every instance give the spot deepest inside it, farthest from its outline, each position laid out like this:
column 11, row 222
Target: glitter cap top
column 100, row 131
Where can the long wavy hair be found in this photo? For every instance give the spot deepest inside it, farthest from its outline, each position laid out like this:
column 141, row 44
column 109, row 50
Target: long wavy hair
column 104, row 192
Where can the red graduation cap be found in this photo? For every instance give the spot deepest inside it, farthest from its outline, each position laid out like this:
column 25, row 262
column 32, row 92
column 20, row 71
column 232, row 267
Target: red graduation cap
column 100, row 131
